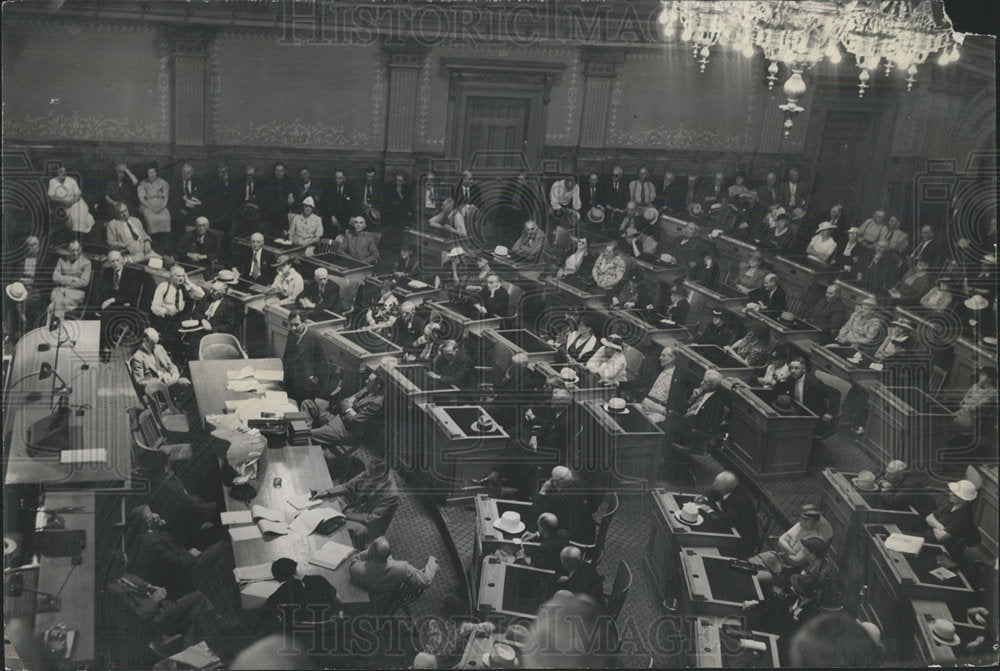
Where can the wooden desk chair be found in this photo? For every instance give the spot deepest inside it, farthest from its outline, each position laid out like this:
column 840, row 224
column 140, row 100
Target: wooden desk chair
column 633, row 359
column 592, row 552
column 515, row 296
column 168, row 424
column 619, row 590
column 402, row 597
column 220, row 346
column 146, row 439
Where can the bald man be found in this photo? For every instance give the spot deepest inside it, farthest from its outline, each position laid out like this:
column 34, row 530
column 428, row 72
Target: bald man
column 545, row 544
column 566, row 496
column 729, row 503
column 320, row 294
column 254, row 264
column 518, row 375
column 202, row 245
column 576, row 576
column 376, row 571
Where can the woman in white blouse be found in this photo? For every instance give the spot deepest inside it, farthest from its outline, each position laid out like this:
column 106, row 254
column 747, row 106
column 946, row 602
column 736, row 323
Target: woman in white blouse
column 822, row 246
column 67, row 200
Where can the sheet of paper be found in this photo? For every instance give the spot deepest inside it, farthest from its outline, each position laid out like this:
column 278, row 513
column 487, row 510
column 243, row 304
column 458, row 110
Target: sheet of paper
column 417, row 284
column 270, row 375
column 233, row 405
column 241, row 373
column 261, row 588
column 903, row 543
column 269, row 527
column 942, row 574
column 94, row 455
column 237, row 517
column 253, row 573
column 308, row 520
column 331, row 555
column 277, row 397
column 302, row 501
column 249, row 384
column 245, row 533
column 198, row 656
column 262, row 513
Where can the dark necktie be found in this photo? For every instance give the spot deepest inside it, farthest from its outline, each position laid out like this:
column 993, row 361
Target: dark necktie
column 177, row 298
column 255, row 267
column 187, row 188
column 340, row 190
column 249, row 190
column 368, row 195
column 118, row 278
column 135, row 236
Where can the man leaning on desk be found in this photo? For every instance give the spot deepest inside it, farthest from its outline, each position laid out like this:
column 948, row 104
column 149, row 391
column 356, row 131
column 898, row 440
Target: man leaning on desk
column 370, row 500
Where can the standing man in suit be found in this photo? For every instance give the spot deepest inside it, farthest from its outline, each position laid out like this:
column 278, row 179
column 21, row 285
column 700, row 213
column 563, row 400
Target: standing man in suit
column 468, row 191
column 641, row 191
column 729, row 503
column 223, row 199
column 397, row 202
column 616, row 192
column 339, row 205
column 807, row 390
column 320, row 294
column 186, row 205
column 793, row 194
column 304, row 361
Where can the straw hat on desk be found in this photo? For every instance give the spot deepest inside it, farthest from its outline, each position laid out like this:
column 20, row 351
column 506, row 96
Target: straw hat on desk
column 226, row 277
column 689, row 514
column 510, row 522
column 865, row 482
column 616, row 406
column 501, row 252
column 190, row 326
column 943, row 632
column 568, row 375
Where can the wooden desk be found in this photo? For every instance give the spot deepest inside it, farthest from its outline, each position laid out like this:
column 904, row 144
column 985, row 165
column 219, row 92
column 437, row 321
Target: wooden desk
column 711, row 587
column 852, row 295
column 301, row 469
column 694, row 360
column 104, row 388
column 414, row 383
column 731, row 253
column 431, row 247
column 969, row 357
column 668, row 536
column 276, row 318
column 49, row 575
column 509, row 342
column 642, row 327
column 155, row 276
column 848, row 509
column 588, row 388
column 404, row 292
column 353, row 349
column 447, row 450
column 703, row 300
column 462, row 319
column 489, row 539
column 510, row 592
column 894, row 579
column 905, row 423
column 835, row 360
column 406, row 385
column 797, row 331
column 582, row 292
column 766, row 441
column 210, row 380
column 272, row 248
column 346, row 272
column 804, row 279
column 715, row 645
column 925, row 611
column 627, row 446
column 251, row 296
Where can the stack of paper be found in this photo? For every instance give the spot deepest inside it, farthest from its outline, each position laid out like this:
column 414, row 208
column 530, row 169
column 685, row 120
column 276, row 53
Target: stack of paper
column 241, row 373
column 237, row 517
column 331, row 555
column 249, row 384
column 252, row 573
column 268, row 522
column 308, row 520
column 903, row 543
column 255, row 593
column 198, row 656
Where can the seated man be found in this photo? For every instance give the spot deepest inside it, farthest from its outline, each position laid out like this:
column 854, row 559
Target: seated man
column 219, row 312
column 730, row 504
column 686, row 249
column 154, row 371
column 200, row 246
column 493, row 300
column 450, row 219
column 517, row 376
column 828, row 314
column 71, row 277
column 407, row 328
column 801, row 596
column 902, row 489
column 952, row 524
column 453, row 366
column 173, row 300
column 715, row 332
column 550, row 540
column 119, row 285
column 808, row 391
column 705, row 410
column 576, row 575
column 308, row 598
column 864, row 328
column 320, row 294
column 528, row 247
column 358, row 243
column 376, row 571
column 609, row 363
column 658, row 397
column 370, row 499
column 564, row 495
column 358, row 413
column 914, row 284
column 791, row 553
column 126, row 234
column 770, row 297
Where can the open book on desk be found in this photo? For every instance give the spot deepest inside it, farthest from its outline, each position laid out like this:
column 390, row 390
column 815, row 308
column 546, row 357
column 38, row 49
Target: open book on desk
column 268, row 522
column 331, row 555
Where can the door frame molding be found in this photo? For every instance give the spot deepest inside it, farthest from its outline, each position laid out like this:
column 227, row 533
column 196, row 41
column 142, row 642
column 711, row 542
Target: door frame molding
column 482, row 78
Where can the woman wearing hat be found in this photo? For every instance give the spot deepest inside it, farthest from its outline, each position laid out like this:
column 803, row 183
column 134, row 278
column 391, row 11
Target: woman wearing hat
column 306, row 228
column 791, row 551
column 706, row 271
column 848, row 256
column 952, row 524
column 609, row 363
column 822, row 246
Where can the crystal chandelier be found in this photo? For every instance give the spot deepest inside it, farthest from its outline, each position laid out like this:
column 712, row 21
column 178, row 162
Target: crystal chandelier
column 800, row 33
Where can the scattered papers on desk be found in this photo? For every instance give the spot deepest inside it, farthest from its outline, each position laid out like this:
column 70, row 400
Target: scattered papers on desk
column 262, row 513
column 241, row 373
column 243, row 385
column 943, row 574
column 275, row 396
column 93, row 455
column 303, row 501
column 331, row 555
column 261, row 588
column 245, row 533
column 237, row 517
column 308, row 520
column 224, row 424
column 417, row 284
column 198, row 656
column 903, row 543
column 270, row 375
column 253, row 573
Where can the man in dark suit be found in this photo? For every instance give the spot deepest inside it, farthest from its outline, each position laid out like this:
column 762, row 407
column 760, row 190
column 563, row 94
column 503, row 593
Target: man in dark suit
column 714, row 192
column 339, row 206
column 276, row 197
column 369, row 195
column 715, row 332
column 565, row 496
column 770, row 296
column 300, row 598
column 678, row 309
column 808, row 391
column 770, row 191
column 253, row 263
column 577, row 576
column 307, row 187
column 304, row 361
column 590, row 193
column 201, row 246
column 616, row 194
column 551, row 540
column 223, row 200
column 517, row 375
column 670, row 194
column 925, row 249
column 793, row 193
column 397, row 202
column 468, row 191
column 453, row 366
column 407, row 328
column 119, row 288
column 493, row 299
column 705, row 410
column 320, row 294
column 552, row 430
column 880, row 268
column 687, row 249
column 185, row 202
column 222, row 312
column 729, row 503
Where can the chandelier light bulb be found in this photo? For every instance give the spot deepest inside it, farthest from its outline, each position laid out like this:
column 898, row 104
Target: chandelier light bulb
column 955, row 55
column 795, row 87
column 686, row 35
column 705, row 52
column 748, row 51
column 833, row 53
column 664, row 17
column 944, row 58
column 772, row 69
